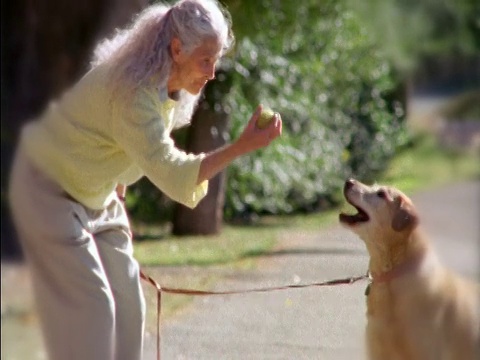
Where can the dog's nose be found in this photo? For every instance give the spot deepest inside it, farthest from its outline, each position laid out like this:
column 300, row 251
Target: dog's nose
column 349, row 183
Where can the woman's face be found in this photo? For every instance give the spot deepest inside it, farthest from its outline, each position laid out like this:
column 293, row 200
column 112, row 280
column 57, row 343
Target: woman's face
column 191, row 71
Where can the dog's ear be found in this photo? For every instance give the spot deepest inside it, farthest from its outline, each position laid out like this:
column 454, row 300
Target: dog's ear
column 405, row 216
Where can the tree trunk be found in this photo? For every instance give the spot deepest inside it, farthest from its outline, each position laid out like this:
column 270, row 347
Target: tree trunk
column 206, row 133
column 46, row 47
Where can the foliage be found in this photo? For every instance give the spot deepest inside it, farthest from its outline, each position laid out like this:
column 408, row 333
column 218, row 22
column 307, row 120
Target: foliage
column 331, row 84
column 412, row 29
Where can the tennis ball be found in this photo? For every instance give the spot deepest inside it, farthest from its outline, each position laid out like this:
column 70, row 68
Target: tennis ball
column 265, row 118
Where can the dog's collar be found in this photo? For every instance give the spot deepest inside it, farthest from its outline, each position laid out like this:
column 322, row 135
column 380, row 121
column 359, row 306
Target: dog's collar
column 411, row 265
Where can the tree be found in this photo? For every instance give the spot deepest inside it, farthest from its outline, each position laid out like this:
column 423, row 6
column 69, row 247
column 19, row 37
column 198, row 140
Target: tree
column 416, row 32
column 206, row 133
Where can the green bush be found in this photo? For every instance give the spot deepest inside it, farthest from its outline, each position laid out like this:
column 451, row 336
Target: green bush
column 333, row 87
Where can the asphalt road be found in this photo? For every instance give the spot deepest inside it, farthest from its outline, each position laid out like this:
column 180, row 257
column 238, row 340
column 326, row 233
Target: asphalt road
column 319, row 322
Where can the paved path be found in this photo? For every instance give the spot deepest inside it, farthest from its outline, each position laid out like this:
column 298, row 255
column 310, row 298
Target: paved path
column 313, row 323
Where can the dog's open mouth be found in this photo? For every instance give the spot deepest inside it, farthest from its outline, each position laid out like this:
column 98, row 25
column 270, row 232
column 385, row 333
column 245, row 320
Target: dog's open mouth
column 359, row 217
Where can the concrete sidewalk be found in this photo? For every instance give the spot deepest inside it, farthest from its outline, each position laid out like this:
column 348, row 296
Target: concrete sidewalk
column 313, row 323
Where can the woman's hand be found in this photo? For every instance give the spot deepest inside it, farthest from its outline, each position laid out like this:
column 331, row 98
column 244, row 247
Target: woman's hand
column 254, row 138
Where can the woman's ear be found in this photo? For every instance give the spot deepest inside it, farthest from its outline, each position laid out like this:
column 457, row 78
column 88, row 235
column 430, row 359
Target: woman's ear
column 176, row 48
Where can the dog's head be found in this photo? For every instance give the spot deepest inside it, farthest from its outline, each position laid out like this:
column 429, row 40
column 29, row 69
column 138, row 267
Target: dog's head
column 382, row 211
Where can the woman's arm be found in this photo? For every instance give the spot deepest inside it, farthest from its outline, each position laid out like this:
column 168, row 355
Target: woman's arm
column 252, row 138
column 140, row 132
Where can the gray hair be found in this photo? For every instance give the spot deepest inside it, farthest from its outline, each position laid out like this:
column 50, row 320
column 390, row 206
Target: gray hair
column 140, row 54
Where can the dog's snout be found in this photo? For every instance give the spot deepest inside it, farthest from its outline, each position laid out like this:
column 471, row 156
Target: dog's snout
column 349, row 184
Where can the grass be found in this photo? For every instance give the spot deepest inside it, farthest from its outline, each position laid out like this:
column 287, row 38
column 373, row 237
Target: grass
column 231, row 245
column 426, row 165
column 235, row 244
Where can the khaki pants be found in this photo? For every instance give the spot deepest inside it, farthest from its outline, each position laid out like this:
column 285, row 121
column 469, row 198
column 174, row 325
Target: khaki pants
column 86, row 281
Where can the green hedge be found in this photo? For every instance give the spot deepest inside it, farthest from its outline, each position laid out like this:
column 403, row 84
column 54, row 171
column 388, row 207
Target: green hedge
column 334, row 88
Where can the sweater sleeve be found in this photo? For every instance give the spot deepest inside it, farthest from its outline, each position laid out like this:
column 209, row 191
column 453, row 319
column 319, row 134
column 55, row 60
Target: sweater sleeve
column 142, row 131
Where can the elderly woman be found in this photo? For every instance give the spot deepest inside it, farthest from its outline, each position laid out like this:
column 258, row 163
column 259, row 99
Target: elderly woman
column 106, row 132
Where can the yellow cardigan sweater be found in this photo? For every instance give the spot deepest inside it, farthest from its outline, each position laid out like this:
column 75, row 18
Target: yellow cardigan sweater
column 89, row 141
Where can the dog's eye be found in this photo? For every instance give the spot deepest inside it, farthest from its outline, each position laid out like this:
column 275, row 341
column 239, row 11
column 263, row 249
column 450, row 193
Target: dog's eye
column 381, row 194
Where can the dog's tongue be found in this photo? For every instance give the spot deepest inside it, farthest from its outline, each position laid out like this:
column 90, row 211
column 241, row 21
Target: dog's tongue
column 361, row 216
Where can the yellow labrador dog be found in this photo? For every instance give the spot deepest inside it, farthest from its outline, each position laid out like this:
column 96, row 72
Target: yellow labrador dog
column 416, row 309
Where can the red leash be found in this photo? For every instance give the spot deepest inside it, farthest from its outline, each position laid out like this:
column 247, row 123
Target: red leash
column 194, row 292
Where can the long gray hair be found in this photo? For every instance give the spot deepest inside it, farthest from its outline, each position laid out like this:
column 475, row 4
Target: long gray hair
column 140, row 53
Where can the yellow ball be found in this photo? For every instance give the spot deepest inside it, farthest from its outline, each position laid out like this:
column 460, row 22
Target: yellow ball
column 265, row 118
